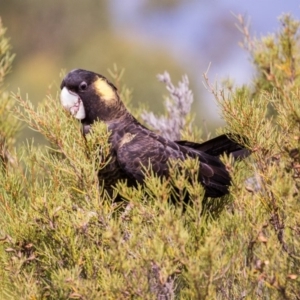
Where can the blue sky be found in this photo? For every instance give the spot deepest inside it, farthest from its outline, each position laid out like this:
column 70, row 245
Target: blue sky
column 196, row 31
column 177, row 29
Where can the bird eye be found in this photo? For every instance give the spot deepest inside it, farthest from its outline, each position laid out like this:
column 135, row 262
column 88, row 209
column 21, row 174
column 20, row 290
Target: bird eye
column 83, row 86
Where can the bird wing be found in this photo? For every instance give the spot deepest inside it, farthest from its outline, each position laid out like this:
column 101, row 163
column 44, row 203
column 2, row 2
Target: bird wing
column 141, row 148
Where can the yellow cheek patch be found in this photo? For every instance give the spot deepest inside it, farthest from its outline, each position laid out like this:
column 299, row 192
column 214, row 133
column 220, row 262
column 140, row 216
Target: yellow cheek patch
column 126, row 139
column 105, row 91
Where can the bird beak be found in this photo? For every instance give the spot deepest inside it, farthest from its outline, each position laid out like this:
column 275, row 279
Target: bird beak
column 73, row 103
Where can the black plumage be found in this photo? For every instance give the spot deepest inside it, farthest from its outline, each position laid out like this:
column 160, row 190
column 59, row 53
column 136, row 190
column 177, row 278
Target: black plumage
column 91, row 97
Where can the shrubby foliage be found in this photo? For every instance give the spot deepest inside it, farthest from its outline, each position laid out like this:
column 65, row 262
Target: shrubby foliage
column 63, row 237
column 178, row 107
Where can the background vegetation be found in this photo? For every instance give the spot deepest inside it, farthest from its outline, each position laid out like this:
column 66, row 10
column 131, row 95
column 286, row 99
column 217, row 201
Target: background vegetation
column 62, row 237
column 53, row 35
column 145, row 37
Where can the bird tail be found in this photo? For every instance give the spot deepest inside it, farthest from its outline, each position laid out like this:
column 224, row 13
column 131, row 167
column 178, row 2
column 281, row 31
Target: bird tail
column 218, row 146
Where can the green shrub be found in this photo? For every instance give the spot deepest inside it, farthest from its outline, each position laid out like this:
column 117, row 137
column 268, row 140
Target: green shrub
column 63, row 237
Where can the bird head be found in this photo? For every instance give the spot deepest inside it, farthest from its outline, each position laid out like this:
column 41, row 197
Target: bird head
column 90, row 97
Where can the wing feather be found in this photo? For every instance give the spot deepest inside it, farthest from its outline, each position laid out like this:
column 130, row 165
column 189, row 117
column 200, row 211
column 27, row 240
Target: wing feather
column 147, row 148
